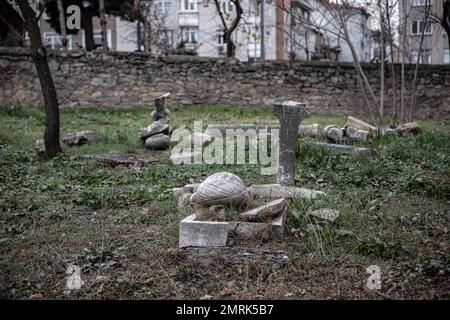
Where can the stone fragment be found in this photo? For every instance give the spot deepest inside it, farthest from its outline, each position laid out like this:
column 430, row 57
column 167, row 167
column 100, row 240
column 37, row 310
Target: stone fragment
column 290, row 114
column 264, row 212
column 124, row 159
column 79, row 138
column 160, row 106
column 279, row 191
column 261, row 230
column 363, row 153
column 202, row 233
column 356, row 134
column 310, row 130
column 326, row 214
column 361, row 125
column 333, row 133
column 158, row 142
column 408, row 129
column 160, row 126
column 221, row 188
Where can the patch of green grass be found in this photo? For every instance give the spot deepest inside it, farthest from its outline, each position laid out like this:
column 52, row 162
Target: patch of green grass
column 393, row 210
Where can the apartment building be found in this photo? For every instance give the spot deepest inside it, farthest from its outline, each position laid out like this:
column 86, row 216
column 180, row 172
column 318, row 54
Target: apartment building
column 269, row 29
column 435, row 49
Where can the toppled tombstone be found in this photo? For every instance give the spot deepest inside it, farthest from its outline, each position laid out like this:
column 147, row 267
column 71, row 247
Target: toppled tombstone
column 80, row 138
column 264, row 212
column 408, row 129
column 309, row 130
column 362, row 153
column 361, row 125
column 207, row 204
column 121, row 159
column 157, row 135
column 208, row 233
column 279, row 191
column 290, row 114
column 326, row 214
column 333, row 133
column 356, row 134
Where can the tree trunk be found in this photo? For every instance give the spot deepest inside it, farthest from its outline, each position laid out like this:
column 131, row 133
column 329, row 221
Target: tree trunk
column 147, row 35
column 391, row 48
column 39, row 55
column 62, row 23
column 86, row 20
column 416, row 69
column 403, row 35
column 445, row 21
column 382, row 53
column 103, row 24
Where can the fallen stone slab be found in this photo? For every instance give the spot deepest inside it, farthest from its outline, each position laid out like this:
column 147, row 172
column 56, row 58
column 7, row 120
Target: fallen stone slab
column 80, row 138
column 264, row 212
column 408, row 129
column 159, row 141
column 361, row 125
column 195, row 233
column 240, row 256
column 259, row 230
column 326, row 214
column 363, row 153
column 121, row 159
column 356, row 134
column 309, row 130
column 279, row 191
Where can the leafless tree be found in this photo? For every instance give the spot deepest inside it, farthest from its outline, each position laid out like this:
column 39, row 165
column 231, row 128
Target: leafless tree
column 229, row 27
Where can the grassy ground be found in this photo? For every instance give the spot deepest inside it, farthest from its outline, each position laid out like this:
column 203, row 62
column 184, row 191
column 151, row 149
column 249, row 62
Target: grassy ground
column 121, row 225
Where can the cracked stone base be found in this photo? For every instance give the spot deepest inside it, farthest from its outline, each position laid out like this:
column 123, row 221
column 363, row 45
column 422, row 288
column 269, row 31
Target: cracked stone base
column 195, row 233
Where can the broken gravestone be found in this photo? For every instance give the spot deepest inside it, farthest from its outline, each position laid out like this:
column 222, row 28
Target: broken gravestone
column 290, row 114
column 80, row 138
column 157, row 135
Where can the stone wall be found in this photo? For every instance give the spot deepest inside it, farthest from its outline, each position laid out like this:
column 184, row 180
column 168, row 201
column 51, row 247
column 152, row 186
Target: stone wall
column 134, row 79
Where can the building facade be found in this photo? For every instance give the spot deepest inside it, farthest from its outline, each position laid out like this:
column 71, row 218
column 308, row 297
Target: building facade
column 423, row 34
column 268, row 29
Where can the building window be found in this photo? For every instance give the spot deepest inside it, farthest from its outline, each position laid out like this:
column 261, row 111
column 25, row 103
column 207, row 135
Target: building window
column 417, row 27
column 420, row 3
column 98, row 39
column 189, row 5
column 287, row 45
column 287, row 18
column 446, row 56
column 164, row 6
column 425, row 56
column 254, row 50
column 53, row 40
column 189, row 34
column 227, row 6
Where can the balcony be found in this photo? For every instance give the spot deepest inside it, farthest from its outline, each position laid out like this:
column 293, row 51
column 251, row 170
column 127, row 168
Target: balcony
column 187, row 19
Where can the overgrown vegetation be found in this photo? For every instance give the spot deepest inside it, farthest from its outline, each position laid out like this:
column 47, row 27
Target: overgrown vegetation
column 121, row 225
